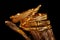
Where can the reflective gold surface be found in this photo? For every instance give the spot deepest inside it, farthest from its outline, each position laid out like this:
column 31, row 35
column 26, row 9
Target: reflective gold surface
column 36, row 23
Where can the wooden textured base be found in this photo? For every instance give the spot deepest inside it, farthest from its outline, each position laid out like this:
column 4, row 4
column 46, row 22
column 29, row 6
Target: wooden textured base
column 44, row 35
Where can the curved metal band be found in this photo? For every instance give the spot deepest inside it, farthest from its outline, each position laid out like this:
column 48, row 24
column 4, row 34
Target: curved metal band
column 37, row 28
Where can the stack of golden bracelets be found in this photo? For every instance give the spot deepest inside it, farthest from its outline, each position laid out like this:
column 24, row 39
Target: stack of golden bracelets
column 39, row 22
column 33, row 22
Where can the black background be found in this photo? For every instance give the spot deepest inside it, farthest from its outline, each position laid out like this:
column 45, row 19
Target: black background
column 9, row 8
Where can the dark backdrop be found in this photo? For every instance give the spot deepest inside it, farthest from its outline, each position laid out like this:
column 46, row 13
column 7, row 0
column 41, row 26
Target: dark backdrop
column 9, row 8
